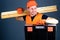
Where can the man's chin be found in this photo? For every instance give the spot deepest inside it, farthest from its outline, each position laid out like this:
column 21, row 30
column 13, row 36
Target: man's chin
column 32, row 15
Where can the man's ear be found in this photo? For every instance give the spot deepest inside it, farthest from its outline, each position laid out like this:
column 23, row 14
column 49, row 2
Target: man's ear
column 27, row 9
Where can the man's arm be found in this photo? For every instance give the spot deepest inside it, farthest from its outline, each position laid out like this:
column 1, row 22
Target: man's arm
column 52, row 20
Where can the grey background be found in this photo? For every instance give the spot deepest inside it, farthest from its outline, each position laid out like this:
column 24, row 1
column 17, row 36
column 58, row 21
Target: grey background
column 11, row 29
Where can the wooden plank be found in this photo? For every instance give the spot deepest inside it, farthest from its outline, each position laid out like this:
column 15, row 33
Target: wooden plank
column 47, row 9
column 10, row 14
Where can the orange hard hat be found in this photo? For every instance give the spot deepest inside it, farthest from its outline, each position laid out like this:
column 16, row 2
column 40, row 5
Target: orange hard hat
column 31, row 0
column 31, row 3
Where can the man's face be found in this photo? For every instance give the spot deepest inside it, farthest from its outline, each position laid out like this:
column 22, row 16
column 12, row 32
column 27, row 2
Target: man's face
column 32, row 10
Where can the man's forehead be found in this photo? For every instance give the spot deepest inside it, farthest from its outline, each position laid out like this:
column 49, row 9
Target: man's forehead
column 33, row 7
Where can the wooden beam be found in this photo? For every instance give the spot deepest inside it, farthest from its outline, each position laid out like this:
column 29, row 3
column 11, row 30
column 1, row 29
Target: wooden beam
column 46, row 9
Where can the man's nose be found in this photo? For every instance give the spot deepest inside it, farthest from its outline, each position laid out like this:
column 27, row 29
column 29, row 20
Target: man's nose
column 33, row 9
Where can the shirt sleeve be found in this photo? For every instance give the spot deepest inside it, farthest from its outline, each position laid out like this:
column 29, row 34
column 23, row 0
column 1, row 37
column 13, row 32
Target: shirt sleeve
column 24, row 18
column 44, row 17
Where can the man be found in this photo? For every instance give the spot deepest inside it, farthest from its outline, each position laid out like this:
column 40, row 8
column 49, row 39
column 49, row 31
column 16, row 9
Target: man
column 33, row 19
column 32, row 13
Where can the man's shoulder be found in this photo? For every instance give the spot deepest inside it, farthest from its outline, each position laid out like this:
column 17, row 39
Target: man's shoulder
column 39, row 13
column 43, row 16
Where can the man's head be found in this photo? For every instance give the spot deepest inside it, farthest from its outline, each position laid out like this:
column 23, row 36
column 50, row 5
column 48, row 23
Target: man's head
column 32, row 7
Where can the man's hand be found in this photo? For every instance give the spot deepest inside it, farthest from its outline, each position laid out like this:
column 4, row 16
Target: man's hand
column 19, row 18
